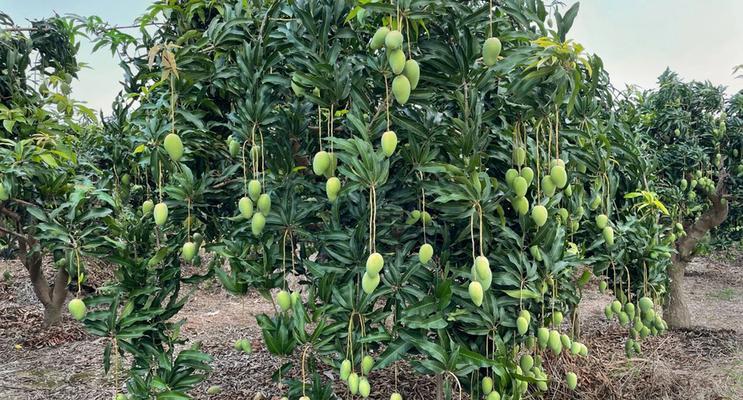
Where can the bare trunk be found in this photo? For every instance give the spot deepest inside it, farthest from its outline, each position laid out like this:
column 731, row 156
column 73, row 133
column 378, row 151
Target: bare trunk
column 52, row 298
column 575, row 323
column 439, row 387
column 675, row 311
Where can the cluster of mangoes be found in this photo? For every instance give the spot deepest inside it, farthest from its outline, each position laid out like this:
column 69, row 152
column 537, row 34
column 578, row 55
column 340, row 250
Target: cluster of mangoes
column 407, row 72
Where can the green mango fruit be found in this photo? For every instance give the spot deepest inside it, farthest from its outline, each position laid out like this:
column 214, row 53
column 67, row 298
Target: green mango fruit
column 401, row 89
column 234, row 148
column 511, row 174
column 608, row 233
column 284, row 300
column 543, row 335
column 345, row 371
column 629, row 308
column 565, row 340
column 374, row 263
column 389, row 143
column 616, row 306
column 296, row 297
column 254, row 189
column 645, row 304
column 369, row 282
column 493, row 396
column 575, row 348
column 526, row 362
column 160, row 213
column 425, row 218
column 425, row 253
column 602, row 221
column 264, row 204
column 526, row 315
column 245, row 205
column 395, row 396
column 608, row 312
column 519, row 156
column 572, row 380
column 257, row 223
column 559, row 176
column 554, row 343
column 332, row 188
column 353, row 383
column 378, row 39
column 486, row 385
column 520, row 186
column 396, row 60
column 366, row 364
column 602, row 286
column 147, row 206
column 521, row 205
column 539, row 215
column 189, row 251
column 548, row 187
column 393, row 40
column 476, row 293
column 522, row 325
column 557, row 318
column 77, row 309
column 414, row 216
column 490, row 51
column 412, row 71
column 595, row 203
column 320, row 162
column 173, row 146
column 364, row 387
column 528, row 174
column 4, row 195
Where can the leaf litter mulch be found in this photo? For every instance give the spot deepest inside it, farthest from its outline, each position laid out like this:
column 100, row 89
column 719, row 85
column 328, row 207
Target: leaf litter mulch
column 66, row 363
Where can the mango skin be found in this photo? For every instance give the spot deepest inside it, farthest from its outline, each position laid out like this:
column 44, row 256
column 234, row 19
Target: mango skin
column 412, row 71
column 77, row 309
column 396, row 59
column 173, row 146
column 378, row 39
column 490, row 51
column 401, row 89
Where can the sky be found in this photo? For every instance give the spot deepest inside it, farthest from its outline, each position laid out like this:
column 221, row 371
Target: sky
column 637, row 39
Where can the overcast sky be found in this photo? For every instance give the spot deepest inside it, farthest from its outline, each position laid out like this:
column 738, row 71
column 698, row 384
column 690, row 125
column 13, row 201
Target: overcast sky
column 637, row 39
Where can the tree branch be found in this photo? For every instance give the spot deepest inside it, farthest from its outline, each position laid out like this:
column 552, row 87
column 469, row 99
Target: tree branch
column 13, row 233
column 713, row 217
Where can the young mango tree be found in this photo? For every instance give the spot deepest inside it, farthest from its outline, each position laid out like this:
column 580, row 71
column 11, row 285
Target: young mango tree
column 52, row 197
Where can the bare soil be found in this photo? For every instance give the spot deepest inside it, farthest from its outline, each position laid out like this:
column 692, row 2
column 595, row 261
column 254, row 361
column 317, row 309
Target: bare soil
column 705, row 362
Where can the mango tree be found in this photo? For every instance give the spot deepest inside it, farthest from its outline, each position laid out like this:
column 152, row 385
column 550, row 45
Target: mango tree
column 52, row 197
column 695, row 160
column 425, row 172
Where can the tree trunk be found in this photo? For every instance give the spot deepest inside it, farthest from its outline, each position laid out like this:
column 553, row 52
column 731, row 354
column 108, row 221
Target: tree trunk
column 675, row 311
column 52, row 298
column 575, row 322
column 439, row 387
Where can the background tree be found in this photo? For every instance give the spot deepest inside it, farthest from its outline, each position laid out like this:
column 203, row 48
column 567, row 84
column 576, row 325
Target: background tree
column 695, row 156
column 50, row 197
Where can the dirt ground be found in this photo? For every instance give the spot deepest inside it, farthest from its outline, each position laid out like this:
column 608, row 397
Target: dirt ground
column 705, row 362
